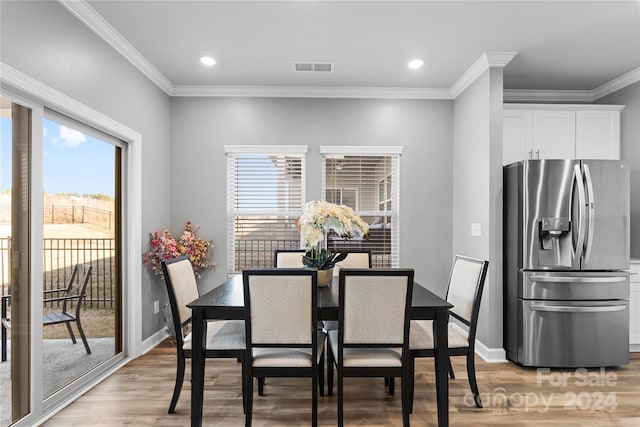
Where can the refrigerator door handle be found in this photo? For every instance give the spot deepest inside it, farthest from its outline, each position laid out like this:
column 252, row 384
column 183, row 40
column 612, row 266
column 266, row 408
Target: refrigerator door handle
column 577, row 309
column 582, row 201
column 591, row 209
column 574, row 279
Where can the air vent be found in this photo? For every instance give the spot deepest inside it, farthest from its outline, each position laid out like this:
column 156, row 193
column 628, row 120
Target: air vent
column 313, row 67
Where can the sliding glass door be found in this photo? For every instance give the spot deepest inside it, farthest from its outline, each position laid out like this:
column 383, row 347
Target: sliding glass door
column 81, row 284
column 60, row 216
column 15, row 243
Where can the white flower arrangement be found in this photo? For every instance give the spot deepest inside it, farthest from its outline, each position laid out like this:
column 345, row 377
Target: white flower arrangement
column 319, row 217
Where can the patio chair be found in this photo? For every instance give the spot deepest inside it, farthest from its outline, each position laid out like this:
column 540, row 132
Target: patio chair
column 71, row 300
column 225, row 338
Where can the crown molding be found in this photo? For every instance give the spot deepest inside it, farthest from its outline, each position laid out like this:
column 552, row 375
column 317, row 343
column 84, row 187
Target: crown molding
column 313, row 92
column 486, row 60
column 525, row 95
column 96, row 23
column 621, row 82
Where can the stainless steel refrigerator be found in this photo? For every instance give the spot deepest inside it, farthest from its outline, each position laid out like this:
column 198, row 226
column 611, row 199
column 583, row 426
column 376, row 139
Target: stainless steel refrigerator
column 566, row 246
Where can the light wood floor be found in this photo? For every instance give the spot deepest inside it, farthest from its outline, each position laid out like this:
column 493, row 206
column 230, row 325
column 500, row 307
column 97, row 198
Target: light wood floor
column 139, row 394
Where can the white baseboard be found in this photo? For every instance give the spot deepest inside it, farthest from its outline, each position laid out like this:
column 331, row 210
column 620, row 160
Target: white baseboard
column 491, row 355
column 154, row 340
column 634, row 348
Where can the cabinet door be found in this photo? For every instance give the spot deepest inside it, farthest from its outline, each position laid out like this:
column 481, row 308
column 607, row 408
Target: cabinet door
column 598, row 135
column 554, row 134
column 516, row 135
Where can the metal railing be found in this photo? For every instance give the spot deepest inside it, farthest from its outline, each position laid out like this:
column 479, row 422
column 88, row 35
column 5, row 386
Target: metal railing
column 59, row 257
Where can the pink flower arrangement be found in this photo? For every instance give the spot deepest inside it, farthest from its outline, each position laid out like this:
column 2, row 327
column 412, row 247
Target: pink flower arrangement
column 163, row 246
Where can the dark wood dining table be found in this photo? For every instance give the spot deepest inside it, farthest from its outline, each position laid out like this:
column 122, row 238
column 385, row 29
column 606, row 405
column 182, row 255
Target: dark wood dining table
column 226, row 301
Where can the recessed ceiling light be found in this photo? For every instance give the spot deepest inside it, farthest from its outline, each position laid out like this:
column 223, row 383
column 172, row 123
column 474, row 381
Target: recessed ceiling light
column 207, row 60
column 415, row 63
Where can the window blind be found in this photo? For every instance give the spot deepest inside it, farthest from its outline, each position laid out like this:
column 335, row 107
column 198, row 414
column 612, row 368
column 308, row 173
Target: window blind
column 368, row 182
column 266, row 191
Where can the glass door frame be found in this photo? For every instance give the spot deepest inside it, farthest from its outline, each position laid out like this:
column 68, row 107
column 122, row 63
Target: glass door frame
column 22, row 89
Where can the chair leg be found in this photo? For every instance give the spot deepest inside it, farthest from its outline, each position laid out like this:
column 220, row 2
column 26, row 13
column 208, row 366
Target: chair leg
column 386, row 381
column 411, row 385
column 405, row 384
column 243, row 361
column 451, row 374
column 321, row 374
column 340, row 400
column 84, row 338
column 260, row 386
column 330, row 366
column 314, row 397
column 73, row 337
column 392, row 386
column 471, row 373
column 249, row 411
column 178, row 387
column 4, row 329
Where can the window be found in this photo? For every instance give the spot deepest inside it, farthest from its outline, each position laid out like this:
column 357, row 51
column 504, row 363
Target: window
column 367, row 180
column 265, row 196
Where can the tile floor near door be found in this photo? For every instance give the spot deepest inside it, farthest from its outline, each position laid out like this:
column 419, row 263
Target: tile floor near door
column 139, row 394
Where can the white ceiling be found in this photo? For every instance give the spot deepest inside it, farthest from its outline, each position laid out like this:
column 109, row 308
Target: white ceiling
column 561, row 45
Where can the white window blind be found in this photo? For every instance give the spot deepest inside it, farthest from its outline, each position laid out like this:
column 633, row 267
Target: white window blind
column 265, row 196
column 367, row 180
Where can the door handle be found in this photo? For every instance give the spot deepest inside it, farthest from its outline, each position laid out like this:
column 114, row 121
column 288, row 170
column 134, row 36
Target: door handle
column 566, row 279
column 577, row 309
column 538, row 154
column 577, row 177
column 531, row 154
column 591, row 210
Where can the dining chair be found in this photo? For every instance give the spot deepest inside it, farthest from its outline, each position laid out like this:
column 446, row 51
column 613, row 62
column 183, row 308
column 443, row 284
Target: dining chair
column 354, row 259
column 282, row 340
column 288, row 258
column 466, row 282
column 225, row 338
column 372, row 339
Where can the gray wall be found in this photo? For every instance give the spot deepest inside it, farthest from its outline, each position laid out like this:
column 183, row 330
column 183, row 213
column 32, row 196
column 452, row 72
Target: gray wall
column 477, row 191
column 200, row 127
column 42, row 40
column 630, row 150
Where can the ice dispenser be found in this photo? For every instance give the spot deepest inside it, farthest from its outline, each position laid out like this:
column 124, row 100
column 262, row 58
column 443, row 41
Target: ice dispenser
column 554, row 241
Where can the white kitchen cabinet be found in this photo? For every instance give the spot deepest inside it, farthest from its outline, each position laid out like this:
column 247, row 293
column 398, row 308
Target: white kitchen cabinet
column 598, row 134
column 561, row 131
column 634, row 306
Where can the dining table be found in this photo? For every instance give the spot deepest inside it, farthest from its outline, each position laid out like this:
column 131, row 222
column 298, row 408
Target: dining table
column 226, row 302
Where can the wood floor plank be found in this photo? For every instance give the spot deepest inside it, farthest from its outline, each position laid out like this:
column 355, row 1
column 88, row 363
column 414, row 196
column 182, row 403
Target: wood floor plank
column 139, row 394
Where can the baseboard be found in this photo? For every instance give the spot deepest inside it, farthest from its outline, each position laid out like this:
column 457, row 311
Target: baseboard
column 491, row 355
column 154, row 340
column 634, row 348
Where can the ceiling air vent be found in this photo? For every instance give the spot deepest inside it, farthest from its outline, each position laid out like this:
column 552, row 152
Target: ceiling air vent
column 313, row 67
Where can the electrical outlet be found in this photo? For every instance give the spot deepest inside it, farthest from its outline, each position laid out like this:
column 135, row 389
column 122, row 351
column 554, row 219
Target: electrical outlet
column 156, row 307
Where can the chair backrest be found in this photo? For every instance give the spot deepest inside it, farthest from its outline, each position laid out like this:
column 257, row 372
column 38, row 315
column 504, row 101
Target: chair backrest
column 182, row 289
column 288, row 258
column 466, row 283
column 77, row 286
column 280, row 307
column 354, row 259
column 374, row 306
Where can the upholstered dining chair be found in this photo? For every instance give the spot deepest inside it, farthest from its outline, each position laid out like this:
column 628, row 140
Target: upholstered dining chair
column 466, row 282
column 354, row 259
column 225, row 338
column 282, row 340
column 372, row 339
column 288, row 258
